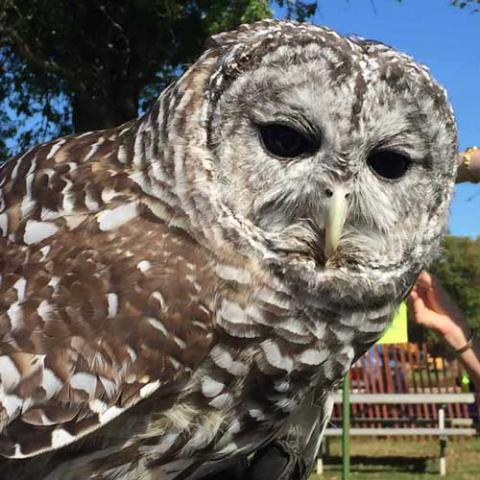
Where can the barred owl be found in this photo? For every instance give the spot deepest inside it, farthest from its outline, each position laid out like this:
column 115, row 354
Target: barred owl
column 190, row 286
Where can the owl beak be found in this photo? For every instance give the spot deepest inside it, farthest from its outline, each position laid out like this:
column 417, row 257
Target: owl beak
column 337, row 209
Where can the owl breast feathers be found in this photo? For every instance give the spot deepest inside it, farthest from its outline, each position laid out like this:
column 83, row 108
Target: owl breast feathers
column 187, row 287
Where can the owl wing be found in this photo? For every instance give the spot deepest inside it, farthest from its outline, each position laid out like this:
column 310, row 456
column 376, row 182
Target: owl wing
column 101, row 302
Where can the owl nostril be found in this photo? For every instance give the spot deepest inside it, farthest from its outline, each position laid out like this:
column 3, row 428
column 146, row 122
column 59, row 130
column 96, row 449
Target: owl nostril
column 329, row 193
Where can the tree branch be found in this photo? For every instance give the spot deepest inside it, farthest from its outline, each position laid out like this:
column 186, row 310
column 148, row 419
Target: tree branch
column 12, row 39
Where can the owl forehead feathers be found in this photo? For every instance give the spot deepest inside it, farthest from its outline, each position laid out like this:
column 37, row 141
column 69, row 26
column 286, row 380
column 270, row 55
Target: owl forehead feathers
column 283, row 43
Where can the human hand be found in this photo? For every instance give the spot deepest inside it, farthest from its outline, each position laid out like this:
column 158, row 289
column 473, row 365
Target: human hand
column 433, row 307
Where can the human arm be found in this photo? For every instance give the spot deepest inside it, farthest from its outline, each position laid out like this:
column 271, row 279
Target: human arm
column 433, row 307
column 469, row 166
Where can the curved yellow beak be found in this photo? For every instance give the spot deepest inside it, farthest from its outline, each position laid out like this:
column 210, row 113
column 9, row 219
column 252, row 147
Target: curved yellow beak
column 337, row 209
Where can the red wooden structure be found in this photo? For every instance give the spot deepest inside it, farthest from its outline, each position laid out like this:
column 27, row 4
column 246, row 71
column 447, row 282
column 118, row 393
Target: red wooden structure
column 404, row 368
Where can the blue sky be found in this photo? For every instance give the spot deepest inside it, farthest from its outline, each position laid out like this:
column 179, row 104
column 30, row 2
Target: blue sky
column 446, row 39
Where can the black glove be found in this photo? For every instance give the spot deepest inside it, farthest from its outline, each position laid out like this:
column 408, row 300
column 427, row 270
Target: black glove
column 275, row 461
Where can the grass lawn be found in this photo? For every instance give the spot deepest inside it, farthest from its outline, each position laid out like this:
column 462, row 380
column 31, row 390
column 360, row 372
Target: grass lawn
column 403, row 459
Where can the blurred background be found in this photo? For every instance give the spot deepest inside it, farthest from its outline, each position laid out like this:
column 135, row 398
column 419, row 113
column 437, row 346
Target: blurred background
column 74, row 66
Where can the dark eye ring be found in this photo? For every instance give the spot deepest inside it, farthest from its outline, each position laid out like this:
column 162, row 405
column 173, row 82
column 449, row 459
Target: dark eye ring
column 286, row 142
column 389, row 164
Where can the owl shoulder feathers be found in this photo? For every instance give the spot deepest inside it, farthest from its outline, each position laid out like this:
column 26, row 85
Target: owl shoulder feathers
column 102, row 304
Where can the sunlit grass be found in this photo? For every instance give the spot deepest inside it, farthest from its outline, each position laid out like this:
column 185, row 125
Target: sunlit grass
column 404, row 459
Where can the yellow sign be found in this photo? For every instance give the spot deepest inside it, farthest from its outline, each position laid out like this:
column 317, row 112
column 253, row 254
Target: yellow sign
column 397, row 332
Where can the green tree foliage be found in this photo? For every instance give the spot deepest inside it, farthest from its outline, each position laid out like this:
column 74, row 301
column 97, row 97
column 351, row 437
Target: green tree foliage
column 459, row 271
column 89, row 64
column 473, row 5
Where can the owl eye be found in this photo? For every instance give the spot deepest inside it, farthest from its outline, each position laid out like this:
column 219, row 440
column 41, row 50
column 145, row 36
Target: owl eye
column 388, row 164
column 285, row 142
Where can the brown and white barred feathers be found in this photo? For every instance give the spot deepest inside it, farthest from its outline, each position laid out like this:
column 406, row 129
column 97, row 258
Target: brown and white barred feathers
column 190, row 286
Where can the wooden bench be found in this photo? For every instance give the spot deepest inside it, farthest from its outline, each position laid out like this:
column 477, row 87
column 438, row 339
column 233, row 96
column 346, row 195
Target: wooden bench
column 441, row 431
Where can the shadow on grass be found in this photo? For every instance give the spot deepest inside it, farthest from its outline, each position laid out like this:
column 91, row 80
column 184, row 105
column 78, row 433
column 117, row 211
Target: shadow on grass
column 399, row 463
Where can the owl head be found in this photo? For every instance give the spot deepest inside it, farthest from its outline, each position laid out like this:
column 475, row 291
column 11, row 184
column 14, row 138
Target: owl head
column 338, row 153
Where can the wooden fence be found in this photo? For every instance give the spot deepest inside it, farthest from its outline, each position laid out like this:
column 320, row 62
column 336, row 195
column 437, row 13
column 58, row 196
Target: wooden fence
column 405, row 368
